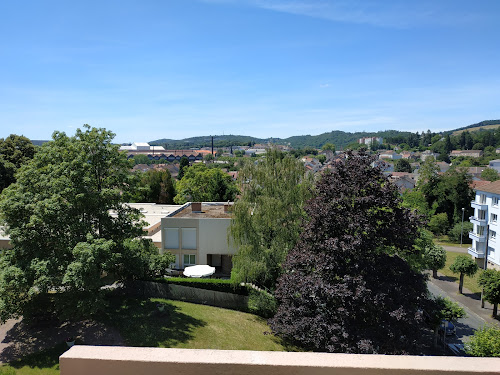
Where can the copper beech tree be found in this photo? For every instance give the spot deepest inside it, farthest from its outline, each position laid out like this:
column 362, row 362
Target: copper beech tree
column 347, row 286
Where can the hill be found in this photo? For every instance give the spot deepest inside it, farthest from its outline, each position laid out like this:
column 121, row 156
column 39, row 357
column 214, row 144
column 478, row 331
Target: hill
column 489, row 124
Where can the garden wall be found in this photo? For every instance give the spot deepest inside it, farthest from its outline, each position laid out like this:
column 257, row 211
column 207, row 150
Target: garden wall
column 152, row 289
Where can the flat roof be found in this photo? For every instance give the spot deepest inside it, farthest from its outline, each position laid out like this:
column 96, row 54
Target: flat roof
column 214, row 210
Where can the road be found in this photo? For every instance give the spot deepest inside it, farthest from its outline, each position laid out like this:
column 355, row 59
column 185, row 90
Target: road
column 465, row 326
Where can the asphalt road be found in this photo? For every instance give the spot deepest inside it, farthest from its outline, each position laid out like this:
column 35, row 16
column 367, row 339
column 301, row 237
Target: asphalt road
column 465, row 326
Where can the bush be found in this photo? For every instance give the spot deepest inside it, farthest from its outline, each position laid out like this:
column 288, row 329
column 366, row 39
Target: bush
column 439, row 224
column 262, row 303
column 455, row 232
column 484, row 343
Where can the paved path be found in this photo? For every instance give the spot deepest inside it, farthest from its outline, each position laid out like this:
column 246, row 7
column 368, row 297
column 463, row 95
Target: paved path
column 457, row 249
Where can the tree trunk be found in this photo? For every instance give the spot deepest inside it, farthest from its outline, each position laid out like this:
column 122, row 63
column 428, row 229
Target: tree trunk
column 461, row 284
column 435, row 274
column 495, row 310
column 436, row 334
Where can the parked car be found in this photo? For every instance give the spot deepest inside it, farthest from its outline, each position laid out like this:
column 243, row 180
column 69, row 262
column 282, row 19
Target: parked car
column 448, row 326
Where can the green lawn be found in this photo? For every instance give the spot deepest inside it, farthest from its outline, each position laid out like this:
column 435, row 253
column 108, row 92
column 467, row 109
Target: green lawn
column 188, row 325
column 470, row 283
column 180, row 325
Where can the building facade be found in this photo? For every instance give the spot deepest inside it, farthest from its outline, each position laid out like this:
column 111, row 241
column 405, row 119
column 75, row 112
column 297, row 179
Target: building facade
column 197, row 234
column 485, row 247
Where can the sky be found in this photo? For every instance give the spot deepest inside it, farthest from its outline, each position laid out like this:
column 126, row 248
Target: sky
column 174, row 69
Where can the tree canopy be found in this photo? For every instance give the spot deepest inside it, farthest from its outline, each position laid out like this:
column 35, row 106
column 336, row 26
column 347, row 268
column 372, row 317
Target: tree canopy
column 346, row 285
column 484, row 343
column 68, row 225
column 155, row 186
column 463, row 265
column 490, row 281
column 15, row 151
column 267, row 218
column 202, row 184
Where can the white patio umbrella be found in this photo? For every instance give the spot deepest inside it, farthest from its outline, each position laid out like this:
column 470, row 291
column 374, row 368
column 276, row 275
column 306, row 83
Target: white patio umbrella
column 199, row 271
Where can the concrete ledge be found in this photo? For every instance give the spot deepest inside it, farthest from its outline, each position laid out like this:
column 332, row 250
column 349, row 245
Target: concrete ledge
column 109, row 360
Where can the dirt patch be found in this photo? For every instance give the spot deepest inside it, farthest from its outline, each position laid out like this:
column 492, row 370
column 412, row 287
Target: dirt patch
column 18, row 339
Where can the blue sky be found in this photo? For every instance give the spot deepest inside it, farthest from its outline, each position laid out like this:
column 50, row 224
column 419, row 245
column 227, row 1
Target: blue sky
column 179, row 68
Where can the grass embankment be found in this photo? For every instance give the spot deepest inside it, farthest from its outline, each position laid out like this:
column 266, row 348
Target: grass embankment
column 470, row 283
column 179, row 325
column 188, row 325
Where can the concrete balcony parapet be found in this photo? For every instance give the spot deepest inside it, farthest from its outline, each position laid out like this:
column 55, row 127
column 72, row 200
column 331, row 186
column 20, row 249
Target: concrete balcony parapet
column 110, row 360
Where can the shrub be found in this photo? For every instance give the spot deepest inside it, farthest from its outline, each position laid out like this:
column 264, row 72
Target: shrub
column 439, row 224
column 262, row 303
column 456, row 231
column 218, row 285
column 484, row 343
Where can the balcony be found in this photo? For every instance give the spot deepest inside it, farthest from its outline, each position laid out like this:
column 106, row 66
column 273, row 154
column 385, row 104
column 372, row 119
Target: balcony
column 478, row 221
column 478, row 205
column 476, row 253
column 477, row 237
column 111, row 360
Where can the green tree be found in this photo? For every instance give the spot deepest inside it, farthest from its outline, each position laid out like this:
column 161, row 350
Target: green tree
column 209, row 157
column 439, row 224
column 435, row 258
column 459, row 232
column 321, row 158
column 68, row 225
column 490, row 281
column 428, row 170
column 402, row 165
column 463, row 265
column 15, row 151
column 267, row 219
column 141, row 159
column 202, row 184
column 484, row 343
column 155, row 186
column 184, row 163
column 346, row 286
column 328, row 146
column 415, row 200
column 490, row 174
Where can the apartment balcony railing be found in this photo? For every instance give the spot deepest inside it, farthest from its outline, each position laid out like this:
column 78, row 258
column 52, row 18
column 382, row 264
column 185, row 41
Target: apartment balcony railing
column 476, row 253
column 479, row 205
column 477, row 237
column 111, row 360
column 477, row 220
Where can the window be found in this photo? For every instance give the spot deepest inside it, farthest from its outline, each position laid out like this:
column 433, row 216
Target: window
column 189, row 260
column 482, row 198
column 493, row 235
column 495, row 201
column 494, row 218
column 480, row 231
column 171, row 238
column 189, row 238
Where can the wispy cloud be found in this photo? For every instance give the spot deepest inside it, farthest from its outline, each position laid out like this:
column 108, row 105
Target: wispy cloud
column 387, row 13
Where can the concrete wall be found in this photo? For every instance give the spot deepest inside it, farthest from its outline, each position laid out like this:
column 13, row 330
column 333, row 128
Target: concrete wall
column 99, row 360
column 187, row 294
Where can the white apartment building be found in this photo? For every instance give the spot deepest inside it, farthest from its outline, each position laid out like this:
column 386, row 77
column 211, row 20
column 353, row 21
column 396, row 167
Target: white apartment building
column 486, row 233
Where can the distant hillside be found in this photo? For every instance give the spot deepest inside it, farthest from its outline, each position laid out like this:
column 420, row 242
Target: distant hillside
column 339, row 138
column 489, row 124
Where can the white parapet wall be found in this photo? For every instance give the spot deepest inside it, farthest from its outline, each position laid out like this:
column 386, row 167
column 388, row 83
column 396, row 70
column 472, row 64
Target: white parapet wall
column 110, row 360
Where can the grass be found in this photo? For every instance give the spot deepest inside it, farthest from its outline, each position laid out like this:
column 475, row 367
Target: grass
column 457, row 132
column 45, row 362
column 445, row 241
column 470, row 283
column 180, row 325
column 188, row 325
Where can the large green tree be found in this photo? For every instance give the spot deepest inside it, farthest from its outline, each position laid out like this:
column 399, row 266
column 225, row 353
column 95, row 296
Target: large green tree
column 484, row 343
column 155, row 186
column 15, row 151
column 267, row 219
column 68, row 225
column 202, row 184
column 347, row 286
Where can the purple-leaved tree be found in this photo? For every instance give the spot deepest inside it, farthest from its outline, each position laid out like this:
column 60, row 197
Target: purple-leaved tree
column 347, row 286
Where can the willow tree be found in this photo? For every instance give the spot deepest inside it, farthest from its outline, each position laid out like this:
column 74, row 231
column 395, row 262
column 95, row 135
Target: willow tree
column 267, row 219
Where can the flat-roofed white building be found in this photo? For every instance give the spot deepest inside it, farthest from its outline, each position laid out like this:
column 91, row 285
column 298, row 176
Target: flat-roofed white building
column 197, row 234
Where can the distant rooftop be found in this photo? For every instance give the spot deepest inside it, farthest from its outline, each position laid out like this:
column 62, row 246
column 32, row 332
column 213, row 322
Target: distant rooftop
column 214, row 210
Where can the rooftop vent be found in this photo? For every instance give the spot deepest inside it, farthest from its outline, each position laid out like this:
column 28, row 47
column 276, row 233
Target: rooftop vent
column 196, row 207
